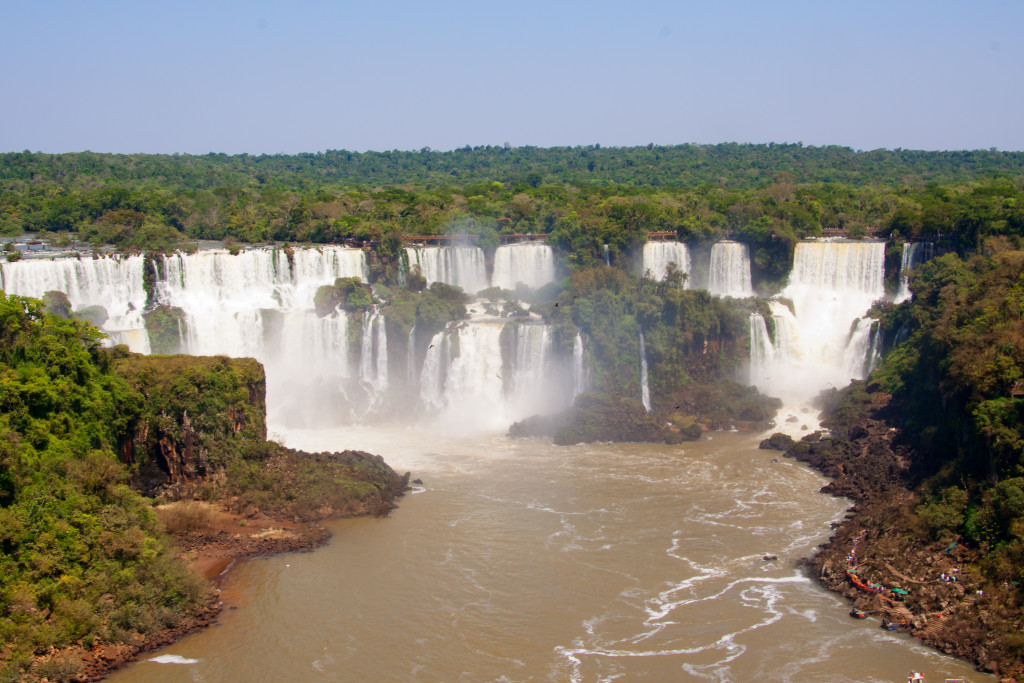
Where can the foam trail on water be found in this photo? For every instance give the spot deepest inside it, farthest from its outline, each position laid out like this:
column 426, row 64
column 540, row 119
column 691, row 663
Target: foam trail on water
column 172, row 659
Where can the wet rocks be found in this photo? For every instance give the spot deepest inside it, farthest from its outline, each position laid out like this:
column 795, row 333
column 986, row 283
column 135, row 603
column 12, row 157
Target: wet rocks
column 777, row 442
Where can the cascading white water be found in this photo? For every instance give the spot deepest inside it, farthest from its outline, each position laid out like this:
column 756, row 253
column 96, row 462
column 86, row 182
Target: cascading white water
column 432, row 372
column 762, row 351
column 532, row 264
column 914, row 253
column 457, row 266
column 259, row 303
column 857, row 355
column 607, row 258
column 410, row 358
column 833, row 283
column 529, row 388
column 381, row 342
column 657, row 256
column 471, row 388
column 223, row 296
column 114, row 282
column 729, row 270
column 309, row 372
column 230, row 303
column 373, row 356
column 580, row 379
column 645, row 387
column 466, row 384
column 876, row 348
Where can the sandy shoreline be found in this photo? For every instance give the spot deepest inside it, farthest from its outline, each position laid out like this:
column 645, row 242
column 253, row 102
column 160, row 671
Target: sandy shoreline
column 211, row 552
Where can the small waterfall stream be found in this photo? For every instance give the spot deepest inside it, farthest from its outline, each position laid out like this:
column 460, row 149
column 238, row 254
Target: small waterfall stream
column 645, row 387
column 729, row 271
column 530, row 264
column 914, row 254
column 658, row 255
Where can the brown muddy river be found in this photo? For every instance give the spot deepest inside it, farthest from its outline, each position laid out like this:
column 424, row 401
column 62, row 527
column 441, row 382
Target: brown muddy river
column 522, row 561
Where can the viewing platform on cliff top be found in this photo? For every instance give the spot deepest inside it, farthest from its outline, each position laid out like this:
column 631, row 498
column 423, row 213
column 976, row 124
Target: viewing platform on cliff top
column 448, row 239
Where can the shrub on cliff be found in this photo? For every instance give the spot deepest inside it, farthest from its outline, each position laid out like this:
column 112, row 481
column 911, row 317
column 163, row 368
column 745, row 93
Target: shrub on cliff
column 347, row 294
column 603, row 417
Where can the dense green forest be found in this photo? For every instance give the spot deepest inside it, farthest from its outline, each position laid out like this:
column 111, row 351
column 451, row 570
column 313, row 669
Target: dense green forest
column 954, row 375
column 731, row 165
column 82, row 555
column 767, row 196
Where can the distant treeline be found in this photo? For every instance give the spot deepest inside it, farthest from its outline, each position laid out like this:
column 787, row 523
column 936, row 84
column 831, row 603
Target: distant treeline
column 769, row 196
column 729, row 165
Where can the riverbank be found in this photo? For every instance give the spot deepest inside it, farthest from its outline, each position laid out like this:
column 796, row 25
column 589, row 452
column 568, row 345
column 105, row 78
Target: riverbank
column 214, row 540
column 881, row 559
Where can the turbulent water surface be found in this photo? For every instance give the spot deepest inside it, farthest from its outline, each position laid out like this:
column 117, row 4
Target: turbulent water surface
column 522, row 561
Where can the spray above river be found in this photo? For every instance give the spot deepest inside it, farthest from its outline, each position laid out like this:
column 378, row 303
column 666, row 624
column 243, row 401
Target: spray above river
column 258, row 303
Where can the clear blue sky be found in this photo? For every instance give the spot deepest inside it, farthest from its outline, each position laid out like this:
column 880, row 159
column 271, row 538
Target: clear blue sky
column 308, row 75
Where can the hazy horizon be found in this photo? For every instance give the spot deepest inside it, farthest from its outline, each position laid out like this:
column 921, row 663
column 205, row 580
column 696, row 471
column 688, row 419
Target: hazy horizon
column 267, row 77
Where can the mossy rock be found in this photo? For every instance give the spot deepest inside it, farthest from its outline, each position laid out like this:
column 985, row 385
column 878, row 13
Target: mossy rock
column 605, row 417
column 57, row 303
column 347, row 293
column 164, row 325
column 97, row 315
column 537, row 426
column 777, row 442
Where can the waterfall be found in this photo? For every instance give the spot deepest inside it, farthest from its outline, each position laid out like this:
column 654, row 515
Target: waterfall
column 528, row 388
column 466, row 382
column 762, row 351
column 410, row 358
column 113, row 282
column 470, row 390
column 432, row 373
column 224, row 296
column 580, row 380
column 381, row 343
column 857, row 355
column 914, row 253
column 657, row 256
column 729, row 271
column 373, row 357
column 820, row 343
column 876, row 348
column 457, row 266
column 259, row 304
column 645, row 389
column 607, row 258
column 532, row 264
column 308, row 368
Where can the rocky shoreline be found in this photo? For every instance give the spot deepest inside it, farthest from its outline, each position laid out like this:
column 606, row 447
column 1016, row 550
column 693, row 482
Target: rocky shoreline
column 940, row 596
